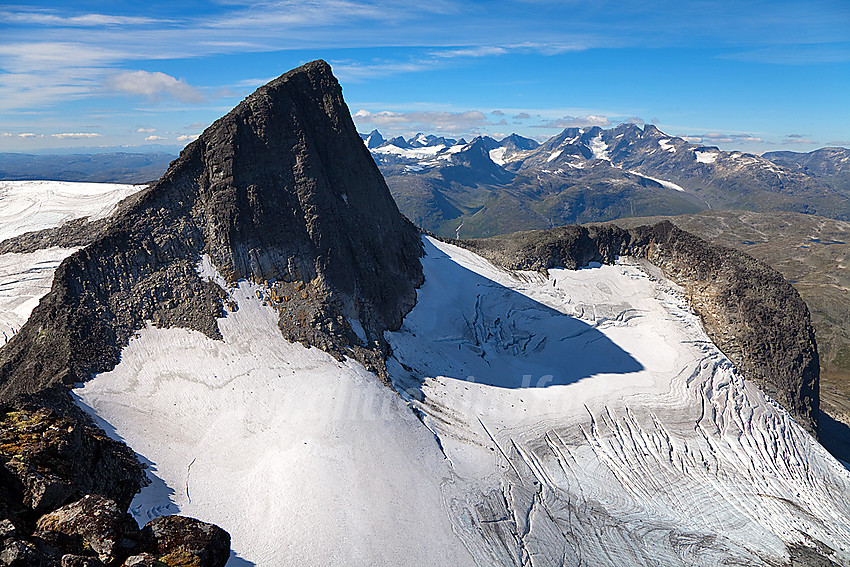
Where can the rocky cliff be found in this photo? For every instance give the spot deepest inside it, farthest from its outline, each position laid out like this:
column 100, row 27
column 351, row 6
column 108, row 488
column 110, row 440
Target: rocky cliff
column 749, row 310
column 281, row 190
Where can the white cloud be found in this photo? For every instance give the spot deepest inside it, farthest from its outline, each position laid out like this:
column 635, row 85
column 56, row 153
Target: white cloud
column 146, row 130
column 51, row 19
column 154, row 85
column 75, row 135
column 721, row 138
column 480, row 51
column 427, row 121
column 30, row 135
column 153, row 138
column 187, row 137
column 575, row 122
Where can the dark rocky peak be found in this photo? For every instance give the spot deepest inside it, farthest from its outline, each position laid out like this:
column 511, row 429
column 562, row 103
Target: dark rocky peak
column 373, row 139
column 421, row 140
column 440, row 141
column 475, row 159
column 462, row 141
column 489, row 143
column 398, row 142
column 516, row 142
column 281, row 190
column 651, row 131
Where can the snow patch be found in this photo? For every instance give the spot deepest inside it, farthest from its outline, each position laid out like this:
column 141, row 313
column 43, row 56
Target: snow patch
column 599, row 148
column 497, row 155
column 554, row 155
column 24, row 280
column 35, row 205
column 706, row 156
column 302, row 459
column 664, row 183
column 411, row 153
column 666, row 145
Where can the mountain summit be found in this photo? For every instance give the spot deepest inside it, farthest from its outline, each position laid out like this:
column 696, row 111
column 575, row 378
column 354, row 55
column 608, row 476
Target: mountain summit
column 280, row 190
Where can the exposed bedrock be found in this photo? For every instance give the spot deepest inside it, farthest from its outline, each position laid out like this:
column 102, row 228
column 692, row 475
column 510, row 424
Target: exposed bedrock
column 748, row 309
column 280, row 190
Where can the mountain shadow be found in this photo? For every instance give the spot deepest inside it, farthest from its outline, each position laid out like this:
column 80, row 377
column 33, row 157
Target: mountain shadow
column 469, row 327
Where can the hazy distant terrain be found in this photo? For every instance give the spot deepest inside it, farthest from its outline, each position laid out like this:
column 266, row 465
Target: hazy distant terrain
column 100, row 168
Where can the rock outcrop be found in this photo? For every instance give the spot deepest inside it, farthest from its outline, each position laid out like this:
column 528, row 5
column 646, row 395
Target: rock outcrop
column 749, row 310
column 281, row 190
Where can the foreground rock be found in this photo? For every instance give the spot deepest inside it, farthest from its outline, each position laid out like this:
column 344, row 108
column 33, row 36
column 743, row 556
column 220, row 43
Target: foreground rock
column 177, row 540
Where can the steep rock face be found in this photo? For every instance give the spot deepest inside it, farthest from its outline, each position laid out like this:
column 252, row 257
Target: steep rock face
column 281, row 188
column 749, row 310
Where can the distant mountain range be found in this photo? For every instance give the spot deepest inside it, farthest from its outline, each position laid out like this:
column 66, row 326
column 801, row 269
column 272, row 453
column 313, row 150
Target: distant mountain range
column 486, row 186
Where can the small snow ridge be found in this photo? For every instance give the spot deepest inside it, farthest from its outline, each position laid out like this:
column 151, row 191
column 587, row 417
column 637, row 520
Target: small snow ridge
column 667, row 184
column 666, row 145
column 704, row 156
column 554, row 155
column 411, row 153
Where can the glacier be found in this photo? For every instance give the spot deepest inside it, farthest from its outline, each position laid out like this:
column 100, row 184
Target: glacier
column 571, row 418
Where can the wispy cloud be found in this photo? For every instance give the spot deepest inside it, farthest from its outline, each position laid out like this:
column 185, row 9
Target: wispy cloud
column 466, row 122
column 154, row 86
column 721, row 138
column 153, row 138
column 75, row 135
column 50, row 18
column 187, row 137
column 575, row 122
column 797, row 139
column 146, row 130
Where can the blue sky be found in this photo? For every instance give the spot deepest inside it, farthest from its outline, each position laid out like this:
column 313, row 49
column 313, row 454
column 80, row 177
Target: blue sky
column 754, row 75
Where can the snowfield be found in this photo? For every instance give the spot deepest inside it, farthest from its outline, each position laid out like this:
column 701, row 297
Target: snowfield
column 35, row 205
column 27, row 206
column 577, row 418
column 24, row 280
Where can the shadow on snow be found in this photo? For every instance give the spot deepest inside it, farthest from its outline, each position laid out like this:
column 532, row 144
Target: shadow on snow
column 475, row 329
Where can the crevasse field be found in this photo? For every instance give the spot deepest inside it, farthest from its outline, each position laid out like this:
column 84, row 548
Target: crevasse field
column 579, row 418
column 35, row 205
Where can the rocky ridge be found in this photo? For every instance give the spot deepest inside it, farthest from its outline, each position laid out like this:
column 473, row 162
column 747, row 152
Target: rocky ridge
column 749, row 310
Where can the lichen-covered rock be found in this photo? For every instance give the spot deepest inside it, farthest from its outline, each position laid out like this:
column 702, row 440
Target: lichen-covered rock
column 7, row 529
column 69, row 560
column 51, row 453
column 179, row 541
column 18, row 553
column 98, row 523
column 142, row 560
